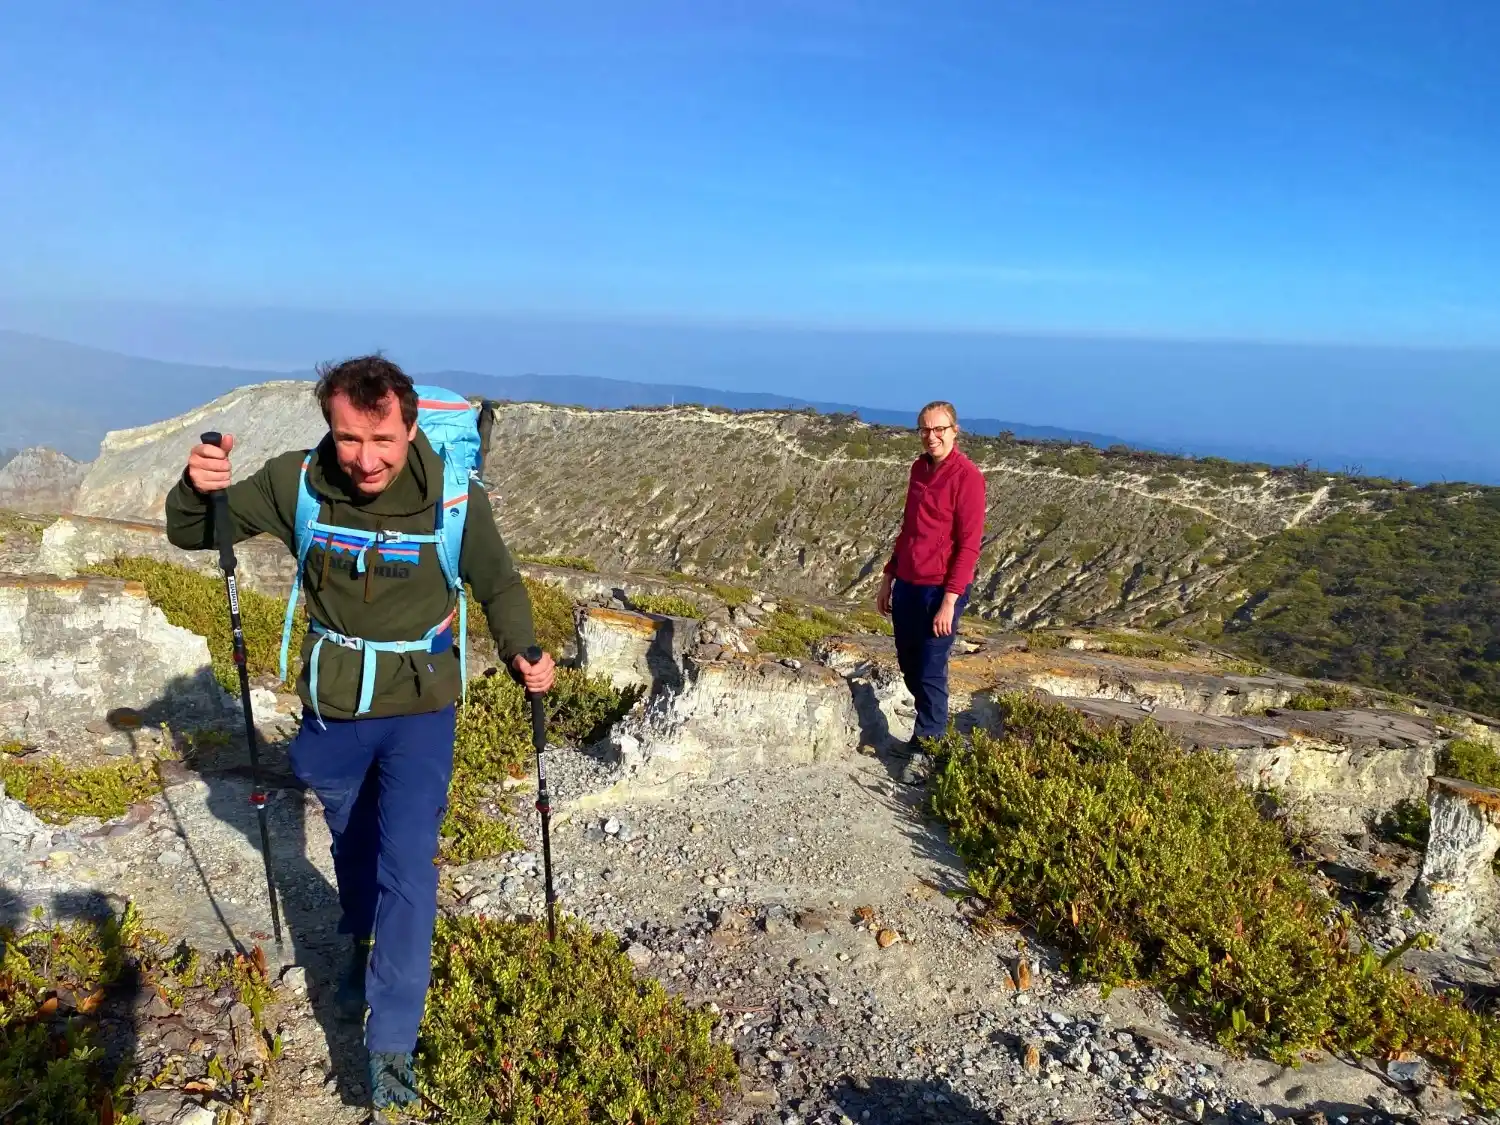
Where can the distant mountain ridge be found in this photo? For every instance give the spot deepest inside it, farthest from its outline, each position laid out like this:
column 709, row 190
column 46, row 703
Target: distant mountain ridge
column 66, row 396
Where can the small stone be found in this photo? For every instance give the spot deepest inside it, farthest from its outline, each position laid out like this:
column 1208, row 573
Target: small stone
column 812, row 922
column 696, row 829
column 294, row 980
column 724, row 892
column 640, row 956
column 1031, row 1057
column 1058, row 1019
column 887, row 938
column 611, row 827
column 170, row 858
column 1023, row 975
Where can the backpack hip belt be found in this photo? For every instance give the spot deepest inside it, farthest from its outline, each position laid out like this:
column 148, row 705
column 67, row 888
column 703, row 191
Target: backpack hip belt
column 448, row 421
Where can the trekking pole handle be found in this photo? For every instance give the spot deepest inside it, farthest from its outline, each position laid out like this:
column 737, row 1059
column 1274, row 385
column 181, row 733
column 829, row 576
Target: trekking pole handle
column 538, row 710
column 222, row 531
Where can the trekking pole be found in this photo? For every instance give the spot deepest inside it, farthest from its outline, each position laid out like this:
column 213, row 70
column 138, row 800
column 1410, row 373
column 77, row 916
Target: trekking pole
column 223, row 533
column 543, row 803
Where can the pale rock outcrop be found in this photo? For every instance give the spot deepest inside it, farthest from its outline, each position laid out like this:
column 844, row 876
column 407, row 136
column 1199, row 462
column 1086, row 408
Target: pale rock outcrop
column 634, row 649
column 72, row 543
column 74, row 649
column 729, row 714
column 136, row 468
column 1457, row 891
column 40, row 481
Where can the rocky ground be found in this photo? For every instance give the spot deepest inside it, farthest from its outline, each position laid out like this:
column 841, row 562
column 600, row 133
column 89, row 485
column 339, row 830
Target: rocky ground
column 818, row 909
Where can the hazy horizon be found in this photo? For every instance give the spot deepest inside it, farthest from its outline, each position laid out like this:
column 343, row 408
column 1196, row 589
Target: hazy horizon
column 1264, row 402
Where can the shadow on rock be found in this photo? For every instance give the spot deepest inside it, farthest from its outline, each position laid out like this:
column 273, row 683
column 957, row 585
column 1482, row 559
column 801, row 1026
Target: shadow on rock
column 901, row 1101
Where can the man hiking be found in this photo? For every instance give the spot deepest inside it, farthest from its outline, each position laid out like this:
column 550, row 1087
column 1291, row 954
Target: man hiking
column 381, row 665
column 929, row 575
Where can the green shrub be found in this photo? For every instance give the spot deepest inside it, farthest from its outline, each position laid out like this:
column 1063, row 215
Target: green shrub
column 1150, row 648
column 1325, row 697
column 1043, row 642
column 868, row 621
column 521, row 1031
column 565, row 562
column 731, row 596
column 493, row 742
column 1472, row 761
column 793, row 629
column 551, row 616
column 668, row 605
column 21, row 527
column 57, row 792
column 197, row 602
column 1142, row 862
column 1195, row 535
column 59, row 994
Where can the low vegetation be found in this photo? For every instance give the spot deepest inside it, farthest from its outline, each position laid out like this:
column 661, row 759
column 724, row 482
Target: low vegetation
column 551, row 616
column 1144, row 863
column 564, row 562
column 794, row 628
column 19, row 527
column 1324, row 697
column 57, row 792
column 668, row 605
column 1404, row 597
column 197, row 602
column 66, row 1017
column 493, row 742
column 523, row 1031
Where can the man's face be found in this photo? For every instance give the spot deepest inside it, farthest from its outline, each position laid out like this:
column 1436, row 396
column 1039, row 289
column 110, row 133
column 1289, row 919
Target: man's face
column 371, row 446
column 938, row 432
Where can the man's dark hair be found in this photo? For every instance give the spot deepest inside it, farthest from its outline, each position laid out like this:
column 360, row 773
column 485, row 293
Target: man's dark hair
column 366, row 380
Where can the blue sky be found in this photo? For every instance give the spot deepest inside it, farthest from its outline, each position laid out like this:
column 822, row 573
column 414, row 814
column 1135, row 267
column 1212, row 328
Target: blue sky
column 1261, row 171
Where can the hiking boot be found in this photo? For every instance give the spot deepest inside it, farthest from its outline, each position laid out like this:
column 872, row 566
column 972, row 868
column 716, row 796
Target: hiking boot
column 393, row 1082
column 349, row 999
column 917, row 768
column 904, row 750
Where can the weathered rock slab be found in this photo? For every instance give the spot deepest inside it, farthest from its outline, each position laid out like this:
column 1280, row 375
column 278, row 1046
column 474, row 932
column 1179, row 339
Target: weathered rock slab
column 72, row 543
column 737, row 713
column 74, row 649
column 634, row 649
column 1457, row 890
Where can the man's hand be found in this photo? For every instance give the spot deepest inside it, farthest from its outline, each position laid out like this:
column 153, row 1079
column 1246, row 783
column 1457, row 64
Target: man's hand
column 537, row 677
column 942, row 622
column 208, row 466
column 883, row 599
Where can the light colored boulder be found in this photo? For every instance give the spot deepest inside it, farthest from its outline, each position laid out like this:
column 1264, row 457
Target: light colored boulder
column 72, row 543
column 1457, row 891
column 74, row 649
column 634, row 649
column 729, row 714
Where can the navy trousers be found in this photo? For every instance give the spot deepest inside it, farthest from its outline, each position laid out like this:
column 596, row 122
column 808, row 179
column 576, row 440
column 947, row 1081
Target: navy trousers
column 922, row 656
column 384, row 788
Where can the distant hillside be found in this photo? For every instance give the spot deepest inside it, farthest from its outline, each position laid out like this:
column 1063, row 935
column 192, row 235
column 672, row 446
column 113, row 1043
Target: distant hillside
column 66, row 397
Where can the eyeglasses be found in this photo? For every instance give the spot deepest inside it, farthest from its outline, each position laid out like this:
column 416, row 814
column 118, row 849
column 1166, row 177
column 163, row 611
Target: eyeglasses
column 925, row 430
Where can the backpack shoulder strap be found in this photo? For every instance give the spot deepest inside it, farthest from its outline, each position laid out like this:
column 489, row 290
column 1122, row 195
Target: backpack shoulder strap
column 309, row 505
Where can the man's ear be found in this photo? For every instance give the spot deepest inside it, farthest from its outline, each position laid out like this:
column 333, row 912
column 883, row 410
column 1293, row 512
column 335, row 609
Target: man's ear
column 411, row 434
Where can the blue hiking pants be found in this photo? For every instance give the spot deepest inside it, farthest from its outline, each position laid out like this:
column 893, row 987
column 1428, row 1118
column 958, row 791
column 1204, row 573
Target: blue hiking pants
column 384, row 788
column 922, row 656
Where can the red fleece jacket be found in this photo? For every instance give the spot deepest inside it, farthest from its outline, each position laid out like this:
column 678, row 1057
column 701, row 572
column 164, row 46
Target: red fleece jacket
column 943, row 524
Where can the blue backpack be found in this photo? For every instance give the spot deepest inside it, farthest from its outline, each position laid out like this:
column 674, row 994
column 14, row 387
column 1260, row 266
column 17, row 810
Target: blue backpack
column 451, row 424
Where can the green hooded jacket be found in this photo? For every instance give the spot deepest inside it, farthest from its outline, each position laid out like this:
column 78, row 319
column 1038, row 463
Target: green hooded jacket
column 390, row 600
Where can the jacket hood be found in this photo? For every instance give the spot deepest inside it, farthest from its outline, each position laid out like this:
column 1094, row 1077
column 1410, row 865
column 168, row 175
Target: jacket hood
column 416, row 488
